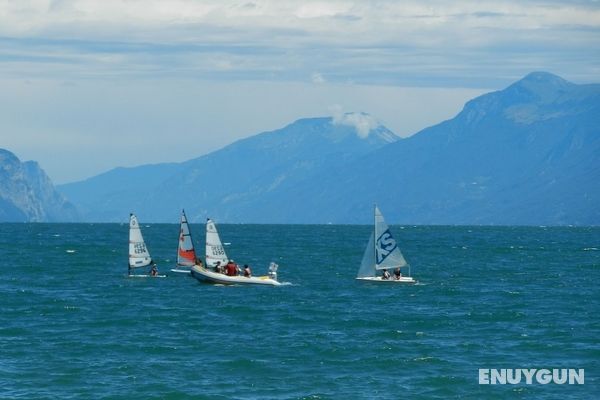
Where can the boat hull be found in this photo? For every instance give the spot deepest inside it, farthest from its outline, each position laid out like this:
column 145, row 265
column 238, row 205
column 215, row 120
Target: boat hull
column 145, row 276
column 204, row 275
column 377, row 279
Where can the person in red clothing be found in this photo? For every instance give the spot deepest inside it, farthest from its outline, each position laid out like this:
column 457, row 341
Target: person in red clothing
column 232, row 269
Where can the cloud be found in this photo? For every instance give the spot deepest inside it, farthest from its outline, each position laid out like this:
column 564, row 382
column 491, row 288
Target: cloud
column 363, row 123
column 417, row 43
column 317, row 78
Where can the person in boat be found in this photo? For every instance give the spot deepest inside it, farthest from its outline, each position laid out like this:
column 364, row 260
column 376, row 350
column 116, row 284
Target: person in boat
column 273, row 270
column 232, row 269
column 218, row 268
column 247, row 271
column 397, row 274
column 386, row 275
column 154, row 270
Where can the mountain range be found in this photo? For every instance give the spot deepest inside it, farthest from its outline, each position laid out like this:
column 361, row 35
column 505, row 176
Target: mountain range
column 525, row 155
column 235, row 178
column 529, row 154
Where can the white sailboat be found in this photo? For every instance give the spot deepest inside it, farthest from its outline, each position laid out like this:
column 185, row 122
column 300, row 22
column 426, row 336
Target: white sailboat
column 139, row 256
column 216, row 258
column 382, row 255
column 186, row 254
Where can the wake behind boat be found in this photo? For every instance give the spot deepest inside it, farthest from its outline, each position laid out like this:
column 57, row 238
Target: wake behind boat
column 186, row 254
column 382, row 255
column 221, row 270
column 139, row 256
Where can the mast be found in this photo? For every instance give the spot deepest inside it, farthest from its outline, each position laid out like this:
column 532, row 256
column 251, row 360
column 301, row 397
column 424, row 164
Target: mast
column 375, row 235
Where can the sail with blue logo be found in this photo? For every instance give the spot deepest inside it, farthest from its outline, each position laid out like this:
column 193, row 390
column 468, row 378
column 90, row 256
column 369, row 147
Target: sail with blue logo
column 382, row 251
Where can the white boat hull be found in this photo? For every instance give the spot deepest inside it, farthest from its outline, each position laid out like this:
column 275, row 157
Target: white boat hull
column 145, row 276
column 204, row 275
column 403, row 279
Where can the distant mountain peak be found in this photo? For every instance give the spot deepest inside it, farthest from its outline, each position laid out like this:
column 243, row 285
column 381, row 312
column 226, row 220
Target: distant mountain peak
column 362, row 122
column 365, row 125
column 27, row 194
column 545, row 78
column 7, row 158
column 530, row 99
column 339, row 127
column 540, row 85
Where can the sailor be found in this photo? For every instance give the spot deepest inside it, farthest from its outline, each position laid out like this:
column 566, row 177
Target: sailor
column 231, row 268
column 273, row 270
column 154, row 270
column 247, row 271
column 386, row 275
column 397, row 274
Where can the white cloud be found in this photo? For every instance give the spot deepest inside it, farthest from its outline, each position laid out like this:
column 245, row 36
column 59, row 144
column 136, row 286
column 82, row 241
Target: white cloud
column 403, row 43
column 317, row 78
column 363, row 123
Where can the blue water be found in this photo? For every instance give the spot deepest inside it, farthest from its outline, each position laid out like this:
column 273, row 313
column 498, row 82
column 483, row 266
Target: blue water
column 73, row 326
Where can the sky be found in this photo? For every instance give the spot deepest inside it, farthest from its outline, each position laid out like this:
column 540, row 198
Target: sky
column 86, row 86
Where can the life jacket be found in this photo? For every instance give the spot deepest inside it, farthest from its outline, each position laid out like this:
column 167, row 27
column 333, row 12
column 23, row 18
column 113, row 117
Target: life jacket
column 231, row 270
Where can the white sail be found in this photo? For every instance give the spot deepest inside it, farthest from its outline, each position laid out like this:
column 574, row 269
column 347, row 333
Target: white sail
column 214, row 248
column 186, row 254
column 138, row 253
column 368, row 260
column 387, row 252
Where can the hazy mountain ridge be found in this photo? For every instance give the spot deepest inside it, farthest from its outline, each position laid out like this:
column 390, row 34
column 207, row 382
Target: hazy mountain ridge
column 218, row 183
column 527, row 154
column 28, row 195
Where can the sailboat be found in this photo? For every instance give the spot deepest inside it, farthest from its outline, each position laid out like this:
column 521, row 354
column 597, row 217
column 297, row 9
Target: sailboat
column 186, row 254
column 139, row 256
column 382, row 254
column 216, row 257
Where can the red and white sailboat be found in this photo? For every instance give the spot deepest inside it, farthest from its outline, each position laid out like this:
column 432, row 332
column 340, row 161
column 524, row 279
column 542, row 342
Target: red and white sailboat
column 186, row 254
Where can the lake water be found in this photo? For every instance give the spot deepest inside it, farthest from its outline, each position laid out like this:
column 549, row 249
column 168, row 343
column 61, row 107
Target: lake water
column 72, row 325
